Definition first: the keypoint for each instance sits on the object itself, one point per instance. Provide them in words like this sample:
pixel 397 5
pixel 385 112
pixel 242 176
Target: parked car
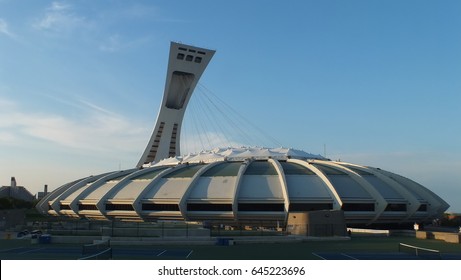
pixel 23 233
pixel 36 233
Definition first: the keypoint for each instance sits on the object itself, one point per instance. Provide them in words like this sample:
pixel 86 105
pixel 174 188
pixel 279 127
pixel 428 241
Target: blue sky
pixel 375 82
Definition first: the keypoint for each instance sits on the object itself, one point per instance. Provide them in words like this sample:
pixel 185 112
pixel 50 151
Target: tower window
pixel 189 58
pixel 180 56
pixel 198 59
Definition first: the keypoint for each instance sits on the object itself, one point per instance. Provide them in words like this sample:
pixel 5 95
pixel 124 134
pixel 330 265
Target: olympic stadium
pixel 235 185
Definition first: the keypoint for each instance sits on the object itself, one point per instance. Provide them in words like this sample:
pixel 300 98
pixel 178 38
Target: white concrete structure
pixel 185 67
pixel 236 185
pixel 241 185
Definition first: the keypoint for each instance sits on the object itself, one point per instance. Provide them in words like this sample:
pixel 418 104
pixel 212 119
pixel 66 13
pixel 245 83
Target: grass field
pixel 24 250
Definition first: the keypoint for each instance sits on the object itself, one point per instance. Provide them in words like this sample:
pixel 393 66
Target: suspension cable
pixel 219 124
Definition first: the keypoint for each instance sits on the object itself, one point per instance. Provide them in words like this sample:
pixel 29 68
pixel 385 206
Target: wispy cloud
pixel 115 43
pixel 96 107
pixel 112 44
pixel 7 138
pixel 97 130
pixel 59 6
pixel 60 16
pixel 4 29
pixel 6 104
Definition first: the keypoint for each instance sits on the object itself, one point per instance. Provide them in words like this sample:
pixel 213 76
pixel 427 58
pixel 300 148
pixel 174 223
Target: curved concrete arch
pixel 136 203
pixel 96 184
pixel 47 202
pixel 337 201
pixel 86 191
pixel 100 204
pixel 380 203
pixel 412 202
pixel 283 184
pixel 75 187
pixel 436 205
pixel 238 183
pixel 183 201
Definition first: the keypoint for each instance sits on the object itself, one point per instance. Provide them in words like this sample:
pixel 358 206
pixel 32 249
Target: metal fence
pixel 162 229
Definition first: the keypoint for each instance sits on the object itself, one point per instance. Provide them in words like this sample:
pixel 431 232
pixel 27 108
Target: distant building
pixel 16 192
pixel 41 195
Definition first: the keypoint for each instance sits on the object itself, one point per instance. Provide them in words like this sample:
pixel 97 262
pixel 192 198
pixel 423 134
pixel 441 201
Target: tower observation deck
pixel 186 65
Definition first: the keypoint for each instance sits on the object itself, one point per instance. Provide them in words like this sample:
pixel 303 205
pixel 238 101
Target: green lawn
pixel 304 250
pixel 23 249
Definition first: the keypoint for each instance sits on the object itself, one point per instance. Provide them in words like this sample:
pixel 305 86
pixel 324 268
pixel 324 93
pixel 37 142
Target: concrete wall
pixel 449 237
pixel 368 232
pixel 74 239
pixel 80 232
pixel 317 223
pixel 155 232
